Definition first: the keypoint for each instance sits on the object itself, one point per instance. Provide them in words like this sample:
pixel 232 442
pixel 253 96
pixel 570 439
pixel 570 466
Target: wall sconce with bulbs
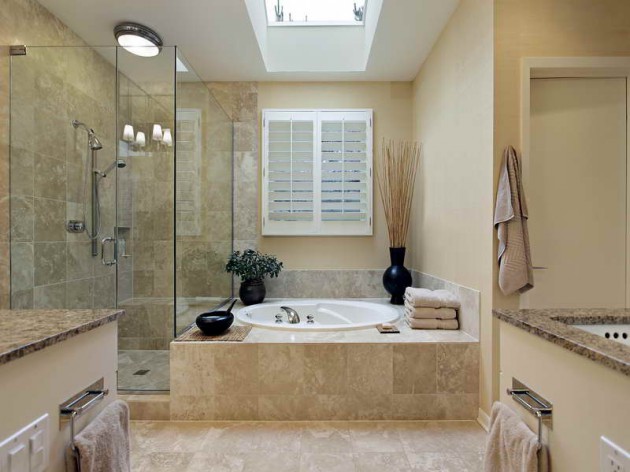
pixel 128 134
pixel 167 138
pixel 141 140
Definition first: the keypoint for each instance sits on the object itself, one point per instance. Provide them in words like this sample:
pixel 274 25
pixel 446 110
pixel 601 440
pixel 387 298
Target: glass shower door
pixel 145 218
pixel 63 125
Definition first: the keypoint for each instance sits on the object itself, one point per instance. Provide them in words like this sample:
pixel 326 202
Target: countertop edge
pixel 592 353
pixel 39 344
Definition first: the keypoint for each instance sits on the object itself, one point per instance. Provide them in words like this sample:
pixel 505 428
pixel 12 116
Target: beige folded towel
pixel 415 323
pixel 510 219
pixel 423 297
pixel 103 445
pixel 512 446
pixel 429 313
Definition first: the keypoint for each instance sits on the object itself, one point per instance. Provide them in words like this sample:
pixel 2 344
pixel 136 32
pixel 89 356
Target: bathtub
pixel 327 315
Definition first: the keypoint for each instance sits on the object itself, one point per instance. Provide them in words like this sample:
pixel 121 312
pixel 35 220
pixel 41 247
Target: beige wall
pixel 452 117
pixel 391 102
pixel 536 28
pixel 589 400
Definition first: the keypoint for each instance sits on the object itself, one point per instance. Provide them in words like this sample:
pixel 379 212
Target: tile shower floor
pixel 427 446
pixel 143 370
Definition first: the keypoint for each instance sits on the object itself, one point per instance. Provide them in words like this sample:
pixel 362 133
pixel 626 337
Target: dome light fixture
pixel 138 39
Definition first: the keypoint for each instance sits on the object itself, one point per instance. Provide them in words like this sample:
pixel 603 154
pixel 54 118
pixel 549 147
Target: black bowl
pixel 213 323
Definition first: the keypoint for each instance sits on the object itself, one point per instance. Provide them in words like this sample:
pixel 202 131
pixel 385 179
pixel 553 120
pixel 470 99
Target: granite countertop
pixel 27 331
pixel 554 325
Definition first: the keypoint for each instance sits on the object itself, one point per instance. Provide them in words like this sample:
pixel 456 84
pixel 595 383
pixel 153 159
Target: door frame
pixel 573 67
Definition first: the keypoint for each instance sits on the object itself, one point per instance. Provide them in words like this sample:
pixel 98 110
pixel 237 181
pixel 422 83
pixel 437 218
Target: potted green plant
pixel 252 267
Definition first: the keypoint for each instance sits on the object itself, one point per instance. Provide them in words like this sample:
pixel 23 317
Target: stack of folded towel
pixel 431 309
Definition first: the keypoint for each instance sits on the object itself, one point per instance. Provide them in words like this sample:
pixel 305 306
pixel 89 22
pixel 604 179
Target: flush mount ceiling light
pixel 138 39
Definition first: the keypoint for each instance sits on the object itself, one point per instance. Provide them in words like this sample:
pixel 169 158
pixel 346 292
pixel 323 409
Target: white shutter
pixel 288 172
pixel 317 172
pixel 346 172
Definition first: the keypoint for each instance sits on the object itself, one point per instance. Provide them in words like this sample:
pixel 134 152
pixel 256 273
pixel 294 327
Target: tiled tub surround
pixel 345 375
pixel 368 284
pixel 554 325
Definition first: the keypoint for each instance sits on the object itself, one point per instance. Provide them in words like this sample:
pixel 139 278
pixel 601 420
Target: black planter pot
pixel 252 291
pixel 397 278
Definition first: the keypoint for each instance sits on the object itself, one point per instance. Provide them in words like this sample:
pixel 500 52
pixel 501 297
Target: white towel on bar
pixel 103 445
pixel 510 219
pixel 512 446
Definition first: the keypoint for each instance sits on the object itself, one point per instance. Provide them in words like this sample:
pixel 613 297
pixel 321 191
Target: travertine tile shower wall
pixel 21 22
pixel 51 268
pixel 203 249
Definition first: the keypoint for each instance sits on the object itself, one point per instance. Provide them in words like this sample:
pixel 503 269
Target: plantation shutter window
pixel 317 172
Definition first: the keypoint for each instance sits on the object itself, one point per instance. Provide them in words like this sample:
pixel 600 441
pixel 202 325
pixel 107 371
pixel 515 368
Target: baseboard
pixel 483 419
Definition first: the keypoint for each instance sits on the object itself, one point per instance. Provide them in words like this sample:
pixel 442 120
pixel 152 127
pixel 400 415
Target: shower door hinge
pixel 17 50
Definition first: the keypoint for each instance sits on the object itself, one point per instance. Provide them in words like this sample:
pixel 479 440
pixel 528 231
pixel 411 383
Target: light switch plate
pixel 612 458
pixel 32 442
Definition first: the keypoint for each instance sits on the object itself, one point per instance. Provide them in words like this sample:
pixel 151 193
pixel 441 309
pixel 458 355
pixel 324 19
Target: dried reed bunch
pixel 396 177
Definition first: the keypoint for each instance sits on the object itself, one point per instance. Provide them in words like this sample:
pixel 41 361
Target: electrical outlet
pixel 612 458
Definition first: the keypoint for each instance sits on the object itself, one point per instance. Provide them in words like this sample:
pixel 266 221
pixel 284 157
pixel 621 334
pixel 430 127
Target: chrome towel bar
pixel 80 404
pixel 534 403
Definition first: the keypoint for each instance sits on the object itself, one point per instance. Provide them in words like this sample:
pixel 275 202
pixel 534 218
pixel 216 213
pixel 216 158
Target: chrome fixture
pixel 138 39
pixel 119 163
pixel 112 261
pixel 310 319
pixel 532 402
pixel 94 145
pixel 292 315
pixel 17 50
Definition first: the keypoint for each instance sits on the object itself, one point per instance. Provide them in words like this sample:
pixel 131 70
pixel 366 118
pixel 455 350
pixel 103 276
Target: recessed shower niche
pixel 142 220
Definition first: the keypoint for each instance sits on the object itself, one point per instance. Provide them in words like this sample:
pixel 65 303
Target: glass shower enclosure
pixel 121 195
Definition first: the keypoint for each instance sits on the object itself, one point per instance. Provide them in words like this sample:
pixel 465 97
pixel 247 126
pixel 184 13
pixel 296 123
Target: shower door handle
pixel 104 241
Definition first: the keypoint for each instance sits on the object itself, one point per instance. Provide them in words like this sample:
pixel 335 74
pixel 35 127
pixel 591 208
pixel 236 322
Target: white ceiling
pixel 217 36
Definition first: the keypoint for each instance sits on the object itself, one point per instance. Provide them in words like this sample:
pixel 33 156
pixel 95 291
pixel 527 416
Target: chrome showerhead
pixel 93 141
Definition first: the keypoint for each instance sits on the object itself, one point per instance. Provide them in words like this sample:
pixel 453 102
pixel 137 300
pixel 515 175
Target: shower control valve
pixel 75 226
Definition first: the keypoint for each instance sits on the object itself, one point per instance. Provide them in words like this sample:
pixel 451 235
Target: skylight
pixel 315 12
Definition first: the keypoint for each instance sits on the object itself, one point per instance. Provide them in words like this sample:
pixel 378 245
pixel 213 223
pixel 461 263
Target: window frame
pixel 317 227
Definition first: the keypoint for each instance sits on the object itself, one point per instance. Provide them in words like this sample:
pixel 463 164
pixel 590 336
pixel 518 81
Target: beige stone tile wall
pixel 52 86
pixel 201 257
pixel 21 22
pixel 240 102
pixel 221 381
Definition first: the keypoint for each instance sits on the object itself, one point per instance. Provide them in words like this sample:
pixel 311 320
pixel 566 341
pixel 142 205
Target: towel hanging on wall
pixel 510 220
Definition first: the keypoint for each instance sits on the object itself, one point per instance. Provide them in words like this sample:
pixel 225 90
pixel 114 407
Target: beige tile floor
pixel 426 446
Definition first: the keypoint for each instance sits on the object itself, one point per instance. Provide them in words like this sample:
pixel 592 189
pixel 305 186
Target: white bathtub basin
pixel 328 315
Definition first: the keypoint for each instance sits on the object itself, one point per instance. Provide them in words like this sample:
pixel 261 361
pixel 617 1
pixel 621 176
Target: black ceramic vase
pixel 252 291
pixel 397 278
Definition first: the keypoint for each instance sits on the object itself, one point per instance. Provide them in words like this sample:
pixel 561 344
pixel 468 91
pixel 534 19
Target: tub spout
pixel 292 315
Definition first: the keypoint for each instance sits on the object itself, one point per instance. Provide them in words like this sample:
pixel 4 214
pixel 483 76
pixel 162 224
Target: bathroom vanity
pixel 46 358
pixel 584 375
